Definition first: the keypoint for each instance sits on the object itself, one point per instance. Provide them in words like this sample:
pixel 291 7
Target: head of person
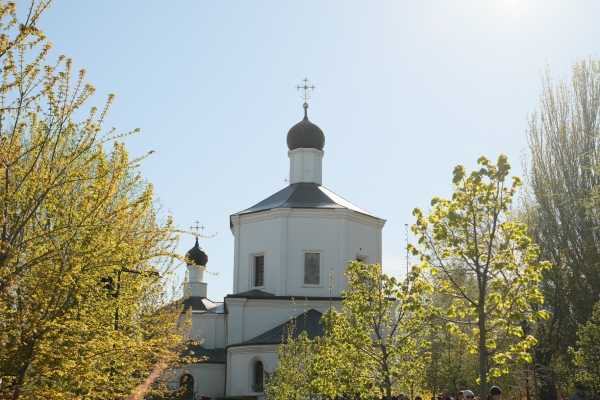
pixel 461 394
pixel 580 388
pixel 445 393
pixel 495 392
pixel 468 395
pixel 418 398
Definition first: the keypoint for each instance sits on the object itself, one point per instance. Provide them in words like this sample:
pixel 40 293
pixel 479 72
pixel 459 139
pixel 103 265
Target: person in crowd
pixel 418 398
pixel 446 395
pixel 579 392
pixel 468 395
pixel 460 395
pixel 495 393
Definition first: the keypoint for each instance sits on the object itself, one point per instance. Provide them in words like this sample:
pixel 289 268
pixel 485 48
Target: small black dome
pixel 197 256
pixel 305 135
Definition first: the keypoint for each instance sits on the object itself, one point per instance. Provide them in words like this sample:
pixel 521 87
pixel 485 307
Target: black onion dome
pixel 305 135
pixel 197 256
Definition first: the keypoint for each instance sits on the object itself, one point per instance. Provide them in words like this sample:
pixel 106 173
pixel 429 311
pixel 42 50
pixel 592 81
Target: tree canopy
pixel 85 253
pixel 470 237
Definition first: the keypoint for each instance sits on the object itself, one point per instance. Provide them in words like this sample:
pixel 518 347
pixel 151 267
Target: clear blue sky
pixel 405 91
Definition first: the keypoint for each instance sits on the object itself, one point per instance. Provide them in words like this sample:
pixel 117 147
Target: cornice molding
pixel 242 348
pixel 314 213
pixel 299 301
pixel 306 150
pixel 236 301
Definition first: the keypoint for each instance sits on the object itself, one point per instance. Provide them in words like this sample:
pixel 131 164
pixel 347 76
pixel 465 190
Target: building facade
pixel 295 244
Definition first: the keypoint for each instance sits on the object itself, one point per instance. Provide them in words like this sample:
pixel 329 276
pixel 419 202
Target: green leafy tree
pixel 471 233
pixel 587 356
pixel 84 255
pixel 561 208
pixel 451 365
pixel 292 377
pixel 374 343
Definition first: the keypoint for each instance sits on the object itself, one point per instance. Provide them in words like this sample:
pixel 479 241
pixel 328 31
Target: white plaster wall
pixel 262 315
pixel 239 366
pixel 209 327
pixel 209 379
pixel 284 235
pixel 221 331
pixel 250 318
pixel 306 165
pixel 256 238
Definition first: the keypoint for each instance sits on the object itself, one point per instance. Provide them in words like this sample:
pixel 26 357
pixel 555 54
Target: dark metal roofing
pixel 202 304
pixel 196 255
pixel 303 195
pixel 305 135
pixel 214 356
pixel 308 321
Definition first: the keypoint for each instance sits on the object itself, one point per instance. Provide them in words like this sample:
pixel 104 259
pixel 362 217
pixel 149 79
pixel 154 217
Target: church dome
pixel 305 135
pixel 197 256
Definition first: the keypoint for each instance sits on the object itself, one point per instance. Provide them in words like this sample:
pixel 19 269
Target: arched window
pixel 187 382
pixel 258 374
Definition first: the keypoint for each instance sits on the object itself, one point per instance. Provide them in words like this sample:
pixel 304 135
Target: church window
pixel 187 383
pixel 312 268
pixel 259 271
pixel 258 373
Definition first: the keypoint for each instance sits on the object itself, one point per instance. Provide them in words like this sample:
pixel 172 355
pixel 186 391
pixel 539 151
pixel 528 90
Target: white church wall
pixel 262 315
pixel 221 331
pixel 209 327
pixel 209 379
pixel 258 238
pixel 249 318
pixel 363 240
pixel 204 327
pixel 283 236
pixel 240 360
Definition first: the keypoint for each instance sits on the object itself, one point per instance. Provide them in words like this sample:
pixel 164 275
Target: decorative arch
pixel 257 375
pixel 187 382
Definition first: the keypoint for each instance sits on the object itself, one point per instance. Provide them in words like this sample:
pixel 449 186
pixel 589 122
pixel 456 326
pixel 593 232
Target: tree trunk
pixel 482 356
pixel 544 373
pixel 20 381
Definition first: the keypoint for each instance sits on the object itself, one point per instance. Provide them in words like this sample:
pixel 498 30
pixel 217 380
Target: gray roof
pixel 213 356
pixel 308 321
pixel 303 195
pixel 202 304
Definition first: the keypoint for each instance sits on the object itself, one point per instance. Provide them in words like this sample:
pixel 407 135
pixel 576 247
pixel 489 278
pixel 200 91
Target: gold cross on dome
pixel 307 88
pixel 196 227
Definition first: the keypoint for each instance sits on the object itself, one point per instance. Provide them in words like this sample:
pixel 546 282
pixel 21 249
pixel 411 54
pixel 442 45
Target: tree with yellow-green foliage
pixel 84 252
pixel 470 237
pixel 587 356
pixel 371 346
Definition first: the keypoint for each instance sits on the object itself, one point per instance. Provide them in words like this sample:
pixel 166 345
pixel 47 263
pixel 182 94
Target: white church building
pixel 286 248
